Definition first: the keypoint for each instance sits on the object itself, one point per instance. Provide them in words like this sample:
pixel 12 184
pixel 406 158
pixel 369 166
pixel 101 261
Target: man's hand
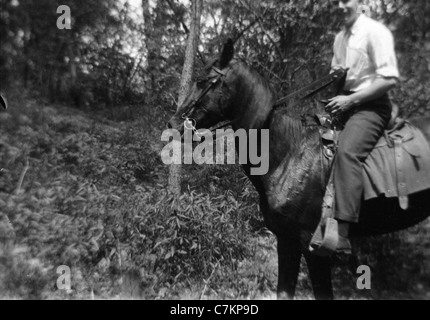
pixel 335 68
pixel 344 103
pixel 339 104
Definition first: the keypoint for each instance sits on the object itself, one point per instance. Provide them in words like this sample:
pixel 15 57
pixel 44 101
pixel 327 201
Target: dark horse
pixel 291 191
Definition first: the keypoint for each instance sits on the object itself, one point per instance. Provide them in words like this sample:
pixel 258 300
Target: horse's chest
pixel 292 185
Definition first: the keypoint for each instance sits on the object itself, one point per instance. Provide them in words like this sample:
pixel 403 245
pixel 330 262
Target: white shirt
pixel 367 49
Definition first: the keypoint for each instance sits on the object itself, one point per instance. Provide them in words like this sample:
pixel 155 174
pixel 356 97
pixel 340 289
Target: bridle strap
pixel 201 95
pixel 220 125
pixel 219 71
pixel 213 81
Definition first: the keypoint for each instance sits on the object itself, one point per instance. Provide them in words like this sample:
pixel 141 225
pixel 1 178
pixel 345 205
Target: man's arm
pixel 381 53
pixel 378 88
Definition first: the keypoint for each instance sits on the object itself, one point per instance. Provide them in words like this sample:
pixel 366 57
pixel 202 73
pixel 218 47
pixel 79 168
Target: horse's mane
pixel 253 75
pixel 289 127
pixel 295 139
pixel 278 119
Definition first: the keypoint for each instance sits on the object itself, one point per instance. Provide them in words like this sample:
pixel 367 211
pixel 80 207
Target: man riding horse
pixel 366 48
pixel 291 192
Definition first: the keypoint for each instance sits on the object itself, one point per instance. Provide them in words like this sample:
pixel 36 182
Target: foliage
pixel 83 206
pixel 86 187
pixel 110 58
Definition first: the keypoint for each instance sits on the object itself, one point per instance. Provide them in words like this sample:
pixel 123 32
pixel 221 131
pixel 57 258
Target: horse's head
pixel 205 104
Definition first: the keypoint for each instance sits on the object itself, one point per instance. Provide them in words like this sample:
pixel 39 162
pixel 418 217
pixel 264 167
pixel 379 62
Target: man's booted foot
pixel 333 238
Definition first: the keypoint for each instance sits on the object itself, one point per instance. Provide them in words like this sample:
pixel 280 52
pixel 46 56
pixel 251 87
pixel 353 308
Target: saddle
pixel 399 165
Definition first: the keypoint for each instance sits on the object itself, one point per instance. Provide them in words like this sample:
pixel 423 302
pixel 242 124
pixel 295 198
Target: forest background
pixel 82 183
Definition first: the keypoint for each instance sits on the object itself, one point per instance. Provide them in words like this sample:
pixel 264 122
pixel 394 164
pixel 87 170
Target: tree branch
pixel 21 178
pixel 178 16
pixel 240 34
pixel 260 22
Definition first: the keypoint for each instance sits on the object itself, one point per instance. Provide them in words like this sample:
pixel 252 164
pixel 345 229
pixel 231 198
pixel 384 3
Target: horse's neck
pixel 287 138
pixel 251 100
pixel 252 103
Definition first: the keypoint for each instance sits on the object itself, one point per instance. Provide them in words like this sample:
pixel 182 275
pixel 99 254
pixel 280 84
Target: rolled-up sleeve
pixel 381 49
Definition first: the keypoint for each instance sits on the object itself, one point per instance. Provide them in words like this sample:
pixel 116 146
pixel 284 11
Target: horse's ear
pixel 202 58
pixel 226 54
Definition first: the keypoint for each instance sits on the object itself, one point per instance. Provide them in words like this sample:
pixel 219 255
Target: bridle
pixel 190 123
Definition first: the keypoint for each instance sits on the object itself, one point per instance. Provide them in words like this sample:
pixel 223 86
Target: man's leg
pixel 362 131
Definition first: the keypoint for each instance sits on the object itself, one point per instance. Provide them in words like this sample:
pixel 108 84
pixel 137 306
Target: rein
pixel 3 102
pixel 313 88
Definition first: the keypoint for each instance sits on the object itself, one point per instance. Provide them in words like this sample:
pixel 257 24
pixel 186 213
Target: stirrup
pixel 324 242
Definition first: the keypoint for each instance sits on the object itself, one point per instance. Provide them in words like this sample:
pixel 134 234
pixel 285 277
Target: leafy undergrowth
pixel 90 194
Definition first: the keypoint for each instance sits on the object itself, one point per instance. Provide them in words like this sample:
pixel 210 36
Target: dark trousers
pixel 363 129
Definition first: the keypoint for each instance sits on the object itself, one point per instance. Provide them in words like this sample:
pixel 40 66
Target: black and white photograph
pixel 215 155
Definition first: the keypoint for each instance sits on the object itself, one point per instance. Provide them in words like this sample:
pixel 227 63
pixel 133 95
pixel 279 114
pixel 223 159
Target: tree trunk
pixel 152 47
pixel 72 65
pixel 187 71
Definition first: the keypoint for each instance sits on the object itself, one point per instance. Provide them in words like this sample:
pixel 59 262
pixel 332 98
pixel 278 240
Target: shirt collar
pixel 361 20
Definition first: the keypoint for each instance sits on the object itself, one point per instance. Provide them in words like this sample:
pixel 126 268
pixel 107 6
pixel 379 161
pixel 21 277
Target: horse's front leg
pixel 320 273
pixel 289 255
